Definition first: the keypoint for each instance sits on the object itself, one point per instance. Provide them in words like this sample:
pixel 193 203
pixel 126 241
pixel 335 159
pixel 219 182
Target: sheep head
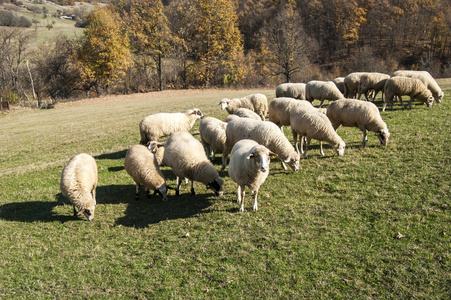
pixel 383 136
pixel 262 156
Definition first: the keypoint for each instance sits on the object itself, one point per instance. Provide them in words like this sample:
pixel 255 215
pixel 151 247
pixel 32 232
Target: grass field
pixel 328 231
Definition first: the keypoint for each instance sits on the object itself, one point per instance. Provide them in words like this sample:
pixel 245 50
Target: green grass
pixel 327 231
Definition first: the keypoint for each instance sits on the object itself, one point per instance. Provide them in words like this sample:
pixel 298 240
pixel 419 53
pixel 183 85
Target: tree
pixel 104 54
pixel 285 44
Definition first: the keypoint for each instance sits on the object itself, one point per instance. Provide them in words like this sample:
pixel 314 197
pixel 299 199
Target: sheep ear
pixel 287 160
pixel 272 154
pixel 250 156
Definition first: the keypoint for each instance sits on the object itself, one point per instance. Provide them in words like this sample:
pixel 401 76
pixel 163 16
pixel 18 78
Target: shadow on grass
pixel 114 155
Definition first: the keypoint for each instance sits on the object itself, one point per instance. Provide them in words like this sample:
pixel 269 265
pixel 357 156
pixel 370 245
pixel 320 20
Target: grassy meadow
pixel 328 231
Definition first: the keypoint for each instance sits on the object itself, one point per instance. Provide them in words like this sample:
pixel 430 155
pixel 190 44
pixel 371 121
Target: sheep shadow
pixel 34 211
pixel 113 155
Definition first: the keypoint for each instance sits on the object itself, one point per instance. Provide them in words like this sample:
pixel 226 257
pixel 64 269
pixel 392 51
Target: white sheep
pixel 231 117
pixel 340 83
pixel 372 81
pixel 361 114
pixel 280 108
pixel 291 90
pixel 185 155
pixel 142 165
pixel 255 102
pixel 427 80
pixel 351 84
pixel 160 125
pixel 246 113
pixel 310 123
pixel 405 86
pixel 79 182
pixel 249 166
pixel 212 135
pixel 263 132
pixel 322 90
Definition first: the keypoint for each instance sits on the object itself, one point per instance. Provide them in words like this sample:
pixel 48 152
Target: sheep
pixel 291 90
pixel 400 86
pixel 361 114
pixel 78 184
pixel 246 113
pixel 279 110
pixel 340 83
pixel 427 79
pixel 212 135
pixel 351 84
pixel 185 155
pixel 372 81
pixel 322 90
pixel 263 132
pixel 255 102
pixel 142 165
pixel 160 125
pixel 249 166
pixel 310 123
pixel 231 117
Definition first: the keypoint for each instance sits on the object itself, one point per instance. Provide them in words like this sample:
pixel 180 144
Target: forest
pixel 132 46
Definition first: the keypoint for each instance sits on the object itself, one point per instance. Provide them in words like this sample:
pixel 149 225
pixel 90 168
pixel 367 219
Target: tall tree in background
pixel 104 54
pixel 217 43
pixel 285 44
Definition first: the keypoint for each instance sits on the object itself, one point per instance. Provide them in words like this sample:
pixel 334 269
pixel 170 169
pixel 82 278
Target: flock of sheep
pixel 249 139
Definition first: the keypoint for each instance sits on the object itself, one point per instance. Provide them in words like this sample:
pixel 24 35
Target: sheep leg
pixel 255 208
pixel 410 102
pixel 177 190
pixel 224 159
pixel 242 198
pixel 295 139
pixel 137 192
pixel 306 147
pixel 365 137
pixel 238 200
pixel 75 212
pixel 321 104
pixel 192 188
pixel 321 148
pixel 302 140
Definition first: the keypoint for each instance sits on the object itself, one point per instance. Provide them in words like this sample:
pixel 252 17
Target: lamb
pixel 361 114
pixel 351 83
pixel 372 81
pixel 212 135
pixel 185 155
pixel 255 102
pixel 291 90
pixel 340 83
pixel 400 86
pixel 249 166
pixel 322 90
pixel 160 125
pixel 427 80
pixel 79 183
pixel 263 132
pixel 310 123
pixel 142 165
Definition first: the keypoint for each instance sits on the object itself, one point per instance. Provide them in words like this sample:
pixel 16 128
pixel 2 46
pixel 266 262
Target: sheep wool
pixel 291 90
pixel 186 157
pixel 212 135
pixel 311 124
pixel 427 80
pixel 322 90
pixel 340 83
pixel 372 81
pixel 160 125
pixel 351 84
pixel 249 167
pixel 258 103
pixel 78 184
pixel 246 113
pixel 279 110
pixel 263 132
pixel 361 114
pixel 142 165
pixel 405 86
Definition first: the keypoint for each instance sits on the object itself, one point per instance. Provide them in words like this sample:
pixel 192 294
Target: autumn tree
pixel 285 44
pixel 104 54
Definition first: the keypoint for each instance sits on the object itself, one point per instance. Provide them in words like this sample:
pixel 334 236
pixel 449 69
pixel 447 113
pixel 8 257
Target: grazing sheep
pixel 400 86
pixel 249 166
pixel 340 83
pixel 186 157
pixel 351 84
pixel 231 117
pixel 246 113
pixel 372 81
pixel 255 102
pixel 79 182
pixel 263 132
pixel 427 80
pixel 310 123
pixel 291 90
pixel 361 114
pixel 279 110
pixel 212 135
pixel 142 165
pixel 322 90
pixel 160 125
